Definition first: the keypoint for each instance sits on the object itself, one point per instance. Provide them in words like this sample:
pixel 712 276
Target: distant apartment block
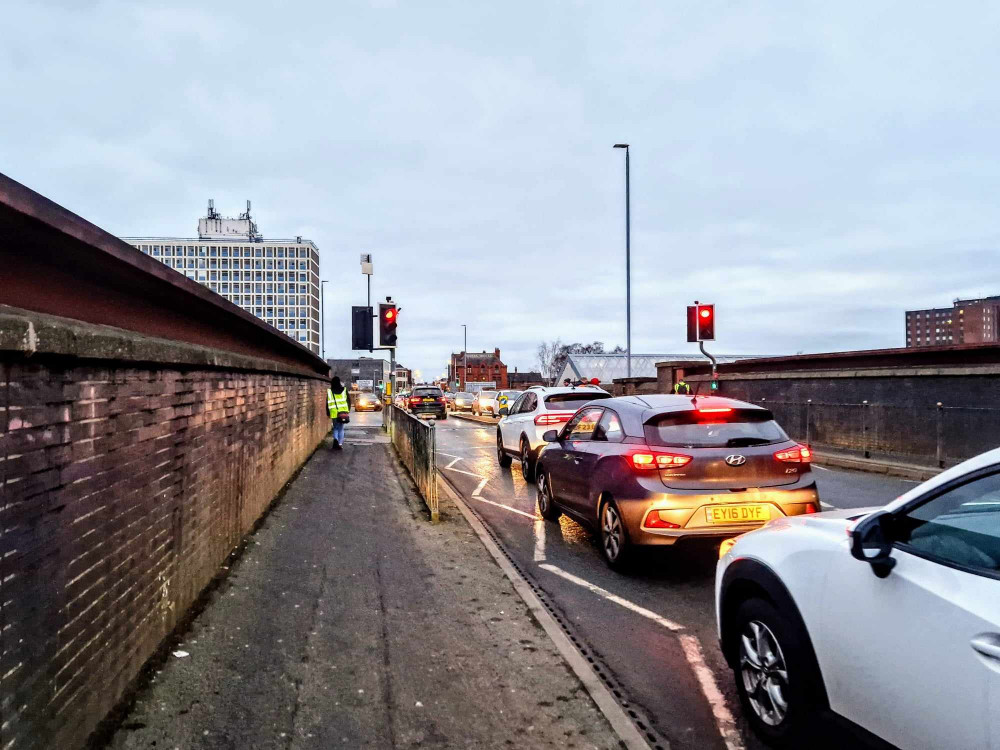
pixel 967 321
pixel 275 279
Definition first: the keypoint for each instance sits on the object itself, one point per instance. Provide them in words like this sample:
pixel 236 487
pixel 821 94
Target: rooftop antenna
pixel 211 209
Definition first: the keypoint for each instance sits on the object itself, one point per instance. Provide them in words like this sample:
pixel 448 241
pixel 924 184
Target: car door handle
pixel 987 644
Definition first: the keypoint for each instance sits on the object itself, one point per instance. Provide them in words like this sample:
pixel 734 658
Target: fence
pixel 415 443
pixel 935 435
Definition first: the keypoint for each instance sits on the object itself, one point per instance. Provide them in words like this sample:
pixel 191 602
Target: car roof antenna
pixel 697 388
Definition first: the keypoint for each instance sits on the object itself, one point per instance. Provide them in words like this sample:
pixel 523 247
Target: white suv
pixel 888 619
pixel 537 411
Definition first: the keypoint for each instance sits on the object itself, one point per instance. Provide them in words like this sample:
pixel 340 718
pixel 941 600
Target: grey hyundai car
pixel 653 470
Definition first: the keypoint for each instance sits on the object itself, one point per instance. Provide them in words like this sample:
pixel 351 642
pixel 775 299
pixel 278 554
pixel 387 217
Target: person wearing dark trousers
pixel 340 410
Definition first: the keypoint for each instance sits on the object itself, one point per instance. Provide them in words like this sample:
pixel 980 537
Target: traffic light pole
pixel 701 345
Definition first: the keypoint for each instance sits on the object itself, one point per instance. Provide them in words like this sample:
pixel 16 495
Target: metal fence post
pixel 432 494
pixel 940 434
pixel 864 428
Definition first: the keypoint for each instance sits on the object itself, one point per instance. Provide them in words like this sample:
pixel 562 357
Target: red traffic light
pixel 390 313
pixel 705 312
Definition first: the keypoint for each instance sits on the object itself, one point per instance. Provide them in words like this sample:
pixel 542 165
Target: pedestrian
pixel 682 387
pixel 567 383
pixel 340 410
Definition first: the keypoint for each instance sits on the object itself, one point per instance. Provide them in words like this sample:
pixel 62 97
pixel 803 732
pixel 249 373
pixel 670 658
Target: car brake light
pixel 719 410
pixel 800 454
pixel 810 508
pixel 650 461
pixel 655 521
pixel 552 418
pixel 415 400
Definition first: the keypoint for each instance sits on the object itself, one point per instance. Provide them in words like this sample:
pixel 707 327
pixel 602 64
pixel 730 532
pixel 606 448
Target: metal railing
pixel 933 435
pixel 415 443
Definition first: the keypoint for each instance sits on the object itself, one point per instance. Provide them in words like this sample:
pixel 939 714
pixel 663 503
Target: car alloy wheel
pixel 546 502
pixel 527 470
pixel 502 458
pixel 764 673
pixel 612 533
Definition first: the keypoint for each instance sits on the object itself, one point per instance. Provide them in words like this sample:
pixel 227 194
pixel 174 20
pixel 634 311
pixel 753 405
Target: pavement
pixel 652 631
pixel 351 621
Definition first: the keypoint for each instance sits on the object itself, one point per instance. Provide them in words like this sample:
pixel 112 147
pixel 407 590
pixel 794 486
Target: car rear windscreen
pixel 572 401
pixel 739 428
pixel 428 392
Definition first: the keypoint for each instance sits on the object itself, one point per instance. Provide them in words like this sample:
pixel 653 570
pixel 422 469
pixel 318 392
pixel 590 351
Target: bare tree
pixel 548 351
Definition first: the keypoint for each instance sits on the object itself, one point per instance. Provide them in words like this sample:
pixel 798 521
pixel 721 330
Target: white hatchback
pixel 537 411
pixel 888 620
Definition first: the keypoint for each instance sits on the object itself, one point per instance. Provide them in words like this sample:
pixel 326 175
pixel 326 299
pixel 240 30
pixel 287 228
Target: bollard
pixel 940 435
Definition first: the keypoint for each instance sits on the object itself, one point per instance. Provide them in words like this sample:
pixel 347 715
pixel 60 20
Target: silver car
pixel 481 401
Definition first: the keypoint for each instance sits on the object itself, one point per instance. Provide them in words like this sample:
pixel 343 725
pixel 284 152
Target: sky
pixel 814 169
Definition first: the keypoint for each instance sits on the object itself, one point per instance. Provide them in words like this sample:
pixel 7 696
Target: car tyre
pixel 615 546
pixel 775 679
pixel 527 465
pixel 547 508
pixel 502 458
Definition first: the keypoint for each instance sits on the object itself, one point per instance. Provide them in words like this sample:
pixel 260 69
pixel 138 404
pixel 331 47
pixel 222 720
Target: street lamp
pixel 628 270
pixel 465 354
pixel 322 318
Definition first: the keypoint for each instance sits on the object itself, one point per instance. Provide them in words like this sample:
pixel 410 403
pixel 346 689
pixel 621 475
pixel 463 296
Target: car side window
pixel 609 429
pixel 582 426
pixel 530 403
pixel 960 526
pixel 518 405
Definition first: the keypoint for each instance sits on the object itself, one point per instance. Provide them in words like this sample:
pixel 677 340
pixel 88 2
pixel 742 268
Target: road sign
pixel 366 385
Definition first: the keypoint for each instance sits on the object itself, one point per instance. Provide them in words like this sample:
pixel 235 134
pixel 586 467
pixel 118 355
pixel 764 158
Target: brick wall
pixel 124 488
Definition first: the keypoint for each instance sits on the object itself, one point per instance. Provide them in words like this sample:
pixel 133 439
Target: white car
pixel 537 411
pixel 889 619
pixel 503 400
pixel 482 400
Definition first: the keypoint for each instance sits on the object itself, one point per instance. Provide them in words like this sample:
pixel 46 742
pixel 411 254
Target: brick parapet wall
pixel 125 485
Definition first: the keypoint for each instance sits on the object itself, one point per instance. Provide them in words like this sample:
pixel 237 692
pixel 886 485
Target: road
pixel 651 632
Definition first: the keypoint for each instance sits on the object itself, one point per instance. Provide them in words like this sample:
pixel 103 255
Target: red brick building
pixel 968 321
pixel 485 367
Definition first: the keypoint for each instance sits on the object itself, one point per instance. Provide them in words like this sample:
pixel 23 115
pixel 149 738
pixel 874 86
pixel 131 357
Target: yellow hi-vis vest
pixel 681 384
pixel 336 403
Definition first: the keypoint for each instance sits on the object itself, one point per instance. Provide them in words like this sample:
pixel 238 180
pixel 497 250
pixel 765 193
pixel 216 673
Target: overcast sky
pixel 812 168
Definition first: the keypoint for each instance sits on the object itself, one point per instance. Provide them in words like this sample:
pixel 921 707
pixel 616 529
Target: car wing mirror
pixel 550 436
pixel 871 542
pixel 504 411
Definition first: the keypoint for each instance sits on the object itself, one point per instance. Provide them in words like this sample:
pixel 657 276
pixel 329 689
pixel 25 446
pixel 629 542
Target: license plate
pixel 428 401
pixel 737 513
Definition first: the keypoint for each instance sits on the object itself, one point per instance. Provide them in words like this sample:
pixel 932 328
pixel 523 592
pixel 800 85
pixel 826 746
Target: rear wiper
pixel 745 442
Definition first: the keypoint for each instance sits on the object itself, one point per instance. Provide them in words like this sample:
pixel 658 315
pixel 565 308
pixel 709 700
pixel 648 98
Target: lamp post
pixel 322 318
pixel 465 354
pixel 628 270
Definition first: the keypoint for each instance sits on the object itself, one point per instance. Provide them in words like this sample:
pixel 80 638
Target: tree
pixel 547 353
pixel 552 355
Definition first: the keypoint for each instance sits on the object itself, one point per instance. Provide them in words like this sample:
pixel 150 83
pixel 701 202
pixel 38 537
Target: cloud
pixel 814 170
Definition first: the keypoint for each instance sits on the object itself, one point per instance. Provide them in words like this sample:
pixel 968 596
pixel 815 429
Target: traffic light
pixel 388 317
pixel 701 322
pixel 361 328
pixel 706 322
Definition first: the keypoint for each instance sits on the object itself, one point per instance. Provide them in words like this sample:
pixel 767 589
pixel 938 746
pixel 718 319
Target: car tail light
pixel 651 461
pixel 415 400
pixel 655 521
pixel 810 507
pixel 717 410
pixel 800 454
pixel 552 418
pixel 441 400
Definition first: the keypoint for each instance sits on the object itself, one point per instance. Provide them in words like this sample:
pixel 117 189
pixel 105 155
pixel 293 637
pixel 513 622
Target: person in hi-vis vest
pixel 339 408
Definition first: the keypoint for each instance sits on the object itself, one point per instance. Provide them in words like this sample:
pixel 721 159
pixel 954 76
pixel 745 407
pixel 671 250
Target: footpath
pixel 352 622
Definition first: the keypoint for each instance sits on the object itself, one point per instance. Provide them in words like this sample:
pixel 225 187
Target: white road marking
pixel 540 540
pixel 475 492
pixel 449 455
pixel 647 613
pixel 692 652
pixel 821 468
pixel 827 505
pixel 710 689
pixel 453 462
pixel 505 507
pixel 467 473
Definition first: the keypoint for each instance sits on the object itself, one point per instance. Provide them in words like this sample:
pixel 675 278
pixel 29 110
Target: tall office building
pixel 275 279
pixel 967 321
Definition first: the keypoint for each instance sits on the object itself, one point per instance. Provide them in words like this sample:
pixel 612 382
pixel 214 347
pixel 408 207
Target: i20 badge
pixel 736 460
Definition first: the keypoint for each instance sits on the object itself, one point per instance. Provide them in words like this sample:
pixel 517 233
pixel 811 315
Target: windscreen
pixel 428 392
pixel 739 428
pixel 572 401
